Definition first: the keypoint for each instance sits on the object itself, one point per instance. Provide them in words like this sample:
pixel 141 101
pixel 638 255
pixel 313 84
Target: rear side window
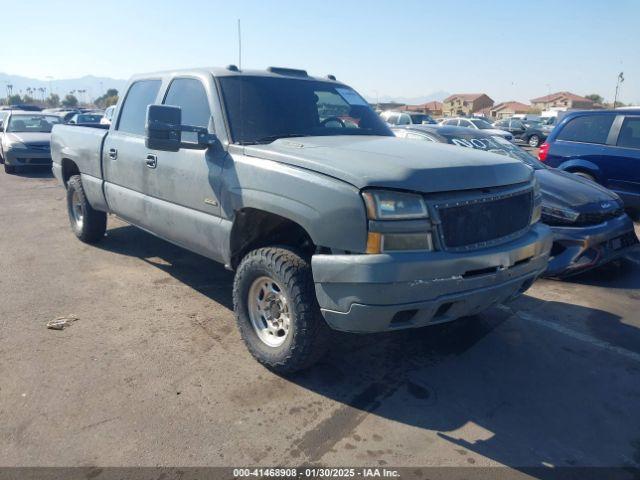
pixel 629 136
pixel 587 129
pixel 134 109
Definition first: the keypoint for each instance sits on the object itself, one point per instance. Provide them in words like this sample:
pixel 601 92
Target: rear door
pixel 623 162
pixel 580 145
pixel 124 154
pixel 183 186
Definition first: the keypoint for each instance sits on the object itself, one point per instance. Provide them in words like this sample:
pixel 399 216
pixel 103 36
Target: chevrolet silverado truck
pixel 327 219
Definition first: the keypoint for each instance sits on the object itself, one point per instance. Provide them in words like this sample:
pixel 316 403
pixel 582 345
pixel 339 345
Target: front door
pixel 183 186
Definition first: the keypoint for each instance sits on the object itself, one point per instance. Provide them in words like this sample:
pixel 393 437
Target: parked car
pixel 530 132
pixel 588 221
pixel 26 139
pixel 86 118
pixel 326 225
pixel 108 115
pixel 477 124
pixel 406 118
pixel 23 107
pixel 601 145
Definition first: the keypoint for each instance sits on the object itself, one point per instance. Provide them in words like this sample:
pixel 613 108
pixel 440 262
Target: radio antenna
pixel 239 46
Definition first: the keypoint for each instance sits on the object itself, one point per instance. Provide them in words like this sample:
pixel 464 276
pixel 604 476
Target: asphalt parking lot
pixel 154 371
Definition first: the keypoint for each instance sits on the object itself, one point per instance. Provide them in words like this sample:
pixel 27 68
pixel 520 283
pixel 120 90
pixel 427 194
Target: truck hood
pixel 28 138
pixel 372 161
pixel 563 189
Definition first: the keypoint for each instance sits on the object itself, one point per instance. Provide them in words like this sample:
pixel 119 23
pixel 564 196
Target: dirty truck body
pixel 295 183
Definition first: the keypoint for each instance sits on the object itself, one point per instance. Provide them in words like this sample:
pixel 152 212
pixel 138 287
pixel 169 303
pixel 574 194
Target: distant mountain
pixel 438 96
pixel 93 86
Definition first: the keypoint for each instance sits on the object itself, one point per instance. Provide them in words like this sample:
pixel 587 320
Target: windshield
pixel 493 144
pixel 263 109
pixel 481 124
pixel 32 123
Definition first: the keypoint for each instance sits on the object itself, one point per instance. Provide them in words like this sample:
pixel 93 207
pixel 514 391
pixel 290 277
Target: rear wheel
pixel 534 141
pixel 88 224
pixel 276 310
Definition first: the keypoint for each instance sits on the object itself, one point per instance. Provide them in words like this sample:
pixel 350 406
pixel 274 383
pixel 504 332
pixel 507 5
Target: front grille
pixel 35 161
pixel 484 221
pixel 39 148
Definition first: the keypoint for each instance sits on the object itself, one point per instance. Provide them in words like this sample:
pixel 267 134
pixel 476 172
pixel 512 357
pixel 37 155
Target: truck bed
pixel 82 145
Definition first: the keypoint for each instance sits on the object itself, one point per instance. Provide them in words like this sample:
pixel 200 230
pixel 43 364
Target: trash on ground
pixel 60 323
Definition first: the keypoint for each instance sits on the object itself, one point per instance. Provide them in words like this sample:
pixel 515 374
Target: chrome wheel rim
pixel 533 141
pixel 269 311
pixel 76 210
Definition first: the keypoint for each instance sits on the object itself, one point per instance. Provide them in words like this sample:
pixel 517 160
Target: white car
pixel 108 115
pixel 478 124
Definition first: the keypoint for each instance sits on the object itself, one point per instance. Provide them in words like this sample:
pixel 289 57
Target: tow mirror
pixel 163 130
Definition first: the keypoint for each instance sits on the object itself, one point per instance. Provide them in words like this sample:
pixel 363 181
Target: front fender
pixel 331 211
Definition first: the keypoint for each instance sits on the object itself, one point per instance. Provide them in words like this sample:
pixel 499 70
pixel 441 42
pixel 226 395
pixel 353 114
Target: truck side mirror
pixel 162 128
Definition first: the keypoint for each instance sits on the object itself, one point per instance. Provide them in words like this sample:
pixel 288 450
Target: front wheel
pixel 10 169
pixel 276 310
pixel 534 141
pixel 88 224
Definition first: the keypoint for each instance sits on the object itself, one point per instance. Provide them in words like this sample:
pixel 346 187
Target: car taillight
pixel 543 152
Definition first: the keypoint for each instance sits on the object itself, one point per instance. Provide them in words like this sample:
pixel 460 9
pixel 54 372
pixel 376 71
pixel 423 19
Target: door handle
pixel 113 153
pixel 152 161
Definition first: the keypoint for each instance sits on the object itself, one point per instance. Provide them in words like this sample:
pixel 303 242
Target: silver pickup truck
pixel 296 184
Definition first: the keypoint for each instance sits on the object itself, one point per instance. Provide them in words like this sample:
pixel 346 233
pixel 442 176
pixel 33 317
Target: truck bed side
pixel 76 149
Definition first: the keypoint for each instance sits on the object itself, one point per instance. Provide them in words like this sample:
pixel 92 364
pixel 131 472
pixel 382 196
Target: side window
pixel 190 94
pixel 587 129
pixel 453 123
pixel 134 109
pixel 465 123
pixel 630 133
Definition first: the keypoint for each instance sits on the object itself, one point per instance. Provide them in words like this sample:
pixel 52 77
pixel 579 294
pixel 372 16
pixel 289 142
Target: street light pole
pixel 620 80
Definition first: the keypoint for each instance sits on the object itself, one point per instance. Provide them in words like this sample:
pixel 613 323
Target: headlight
pixel 387 234
pixel 554 215
pixel 390 205
pixel 537 202
pixel 16 146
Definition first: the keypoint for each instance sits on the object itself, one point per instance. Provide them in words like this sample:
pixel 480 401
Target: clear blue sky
pixel 508 49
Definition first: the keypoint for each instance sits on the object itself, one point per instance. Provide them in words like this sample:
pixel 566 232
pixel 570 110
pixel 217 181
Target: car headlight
pixel 537 202
pixel 387 212
pixel 16 146
pixel 554 215
pixel 391 205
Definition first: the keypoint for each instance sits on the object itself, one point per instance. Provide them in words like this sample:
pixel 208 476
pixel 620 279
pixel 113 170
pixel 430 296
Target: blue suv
pixel 601 145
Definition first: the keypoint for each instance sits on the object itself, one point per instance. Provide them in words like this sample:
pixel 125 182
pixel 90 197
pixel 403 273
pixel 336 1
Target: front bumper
pixel 27 156
pixel 371 293
pixel 578 249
